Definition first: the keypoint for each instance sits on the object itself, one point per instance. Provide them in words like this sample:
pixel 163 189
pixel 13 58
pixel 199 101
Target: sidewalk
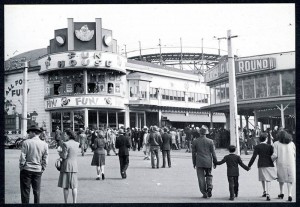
pixel 178 184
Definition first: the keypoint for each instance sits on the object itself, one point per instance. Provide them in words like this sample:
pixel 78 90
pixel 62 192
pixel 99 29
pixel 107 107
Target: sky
pixel 261 28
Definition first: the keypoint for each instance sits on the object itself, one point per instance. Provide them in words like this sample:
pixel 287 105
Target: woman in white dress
pixel 285 157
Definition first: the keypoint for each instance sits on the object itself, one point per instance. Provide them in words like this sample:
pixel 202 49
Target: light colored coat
pixel 285 157
pixel 203 152
pixel 69 154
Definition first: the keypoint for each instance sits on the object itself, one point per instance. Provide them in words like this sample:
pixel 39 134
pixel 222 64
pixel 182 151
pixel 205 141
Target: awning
pixel 175 117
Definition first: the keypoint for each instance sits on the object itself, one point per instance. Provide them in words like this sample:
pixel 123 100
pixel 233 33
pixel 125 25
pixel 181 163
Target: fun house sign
pixel 84 101
pixel 241 66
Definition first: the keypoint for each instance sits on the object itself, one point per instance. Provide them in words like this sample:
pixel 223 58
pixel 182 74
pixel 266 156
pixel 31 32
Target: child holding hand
pixel 232 160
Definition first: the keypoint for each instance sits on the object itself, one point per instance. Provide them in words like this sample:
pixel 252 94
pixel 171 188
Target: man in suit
pixel 166 147
pixel 203 153
pixel 122 143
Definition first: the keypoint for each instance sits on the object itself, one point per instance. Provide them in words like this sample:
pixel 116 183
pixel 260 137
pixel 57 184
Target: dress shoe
pixel 204 196
pixel 157 167
pixel 98 178
pixel 264 194
pixel 236 195
pixel 209 193
pixel 290 198
pixel 170 166
pixel 103 177
pixel 162 166
pixel 280 196
pixel 231 198
pixel 268 197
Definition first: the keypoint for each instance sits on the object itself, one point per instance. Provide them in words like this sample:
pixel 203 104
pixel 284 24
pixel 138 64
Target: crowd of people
pixel 151 141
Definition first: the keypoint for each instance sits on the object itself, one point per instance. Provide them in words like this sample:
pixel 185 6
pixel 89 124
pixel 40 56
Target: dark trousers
pixel 124 162
pixel 154 153
pixel 164 154
pixel 28 178
pixel 204 179
pixel 233 185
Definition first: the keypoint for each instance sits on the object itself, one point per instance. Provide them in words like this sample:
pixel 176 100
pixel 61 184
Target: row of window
pixel 260 86
pixel 167 94
pixel 67 83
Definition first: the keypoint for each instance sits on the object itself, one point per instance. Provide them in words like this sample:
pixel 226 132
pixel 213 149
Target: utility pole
pixel 125 51
pixel 24 105
pixel 140 50
pixel 234 139
pixel 160 58
pixel 181 54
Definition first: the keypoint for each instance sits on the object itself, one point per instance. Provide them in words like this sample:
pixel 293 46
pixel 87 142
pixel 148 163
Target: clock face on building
pixel 60 40
pixel 107 40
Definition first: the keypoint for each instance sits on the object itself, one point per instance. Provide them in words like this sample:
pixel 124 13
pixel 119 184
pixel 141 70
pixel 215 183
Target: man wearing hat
pixel 155 142
pixel 203 153
pixel 33 162
pixel 122 143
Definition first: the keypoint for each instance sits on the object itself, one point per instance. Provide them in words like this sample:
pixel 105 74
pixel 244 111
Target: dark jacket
pixel 233 161
pixel 155 139
pixel 264 152
pixel 99 145
pixel 122 143
pixel 203 152
pixel 166 141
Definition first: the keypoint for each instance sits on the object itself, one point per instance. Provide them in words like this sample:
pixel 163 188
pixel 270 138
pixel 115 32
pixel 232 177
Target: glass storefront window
pixel 273 84
pixel 239 89
pixel 212 95
pixel 261 86
pixel 67 122
pixel 121 119
pixel 249 88
pixel 56 120
pixel 218 94
pixel 112 120
pixel 222 92
pixel 226 92
pixel 78 120
pixel 288 82
pixel 102 119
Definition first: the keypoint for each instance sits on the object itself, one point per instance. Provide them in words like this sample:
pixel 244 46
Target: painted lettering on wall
pixel 15 88
pixel 86 101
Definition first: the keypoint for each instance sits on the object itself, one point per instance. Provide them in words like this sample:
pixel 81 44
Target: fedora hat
pixel 34 128
pixel 121 131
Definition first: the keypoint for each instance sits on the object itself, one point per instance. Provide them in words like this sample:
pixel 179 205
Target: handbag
pixel 58 164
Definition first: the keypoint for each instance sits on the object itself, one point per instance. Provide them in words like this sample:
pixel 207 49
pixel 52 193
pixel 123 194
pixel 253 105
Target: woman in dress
pixel 69 168
pixel 266 169
pixel 285 157
pixel 99 154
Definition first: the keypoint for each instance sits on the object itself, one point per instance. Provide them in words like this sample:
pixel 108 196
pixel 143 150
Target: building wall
pixel 14 93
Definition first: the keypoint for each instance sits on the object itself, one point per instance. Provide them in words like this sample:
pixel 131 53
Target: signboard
pixel 241 67
pixel 84 101
pixel 69 87
pixel 86 59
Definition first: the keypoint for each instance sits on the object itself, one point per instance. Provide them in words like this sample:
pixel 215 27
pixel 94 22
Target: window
pixel 182 96
pixel 222 92
pixel 218 94
pixel 273 84
pixel 58 89
pixel 249 88
pixel 78 88
pixel 288 83
pixel 92 88
pixel 171 92
pixel 226 92
pixel 167 94
pixel 212 95
pixel 261 86
pixel 239 89
pixel 110 88
pixel 191 97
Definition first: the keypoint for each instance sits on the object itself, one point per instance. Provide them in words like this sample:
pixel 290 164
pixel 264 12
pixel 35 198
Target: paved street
pixel 143 185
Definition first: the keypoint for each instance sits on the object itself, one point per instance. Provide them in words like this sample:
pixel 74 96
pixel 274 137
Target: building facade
pixel 265 87
pixel 80 81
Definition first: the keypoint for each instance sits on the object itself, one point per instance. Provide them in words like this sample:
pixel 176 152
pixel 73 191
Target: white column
pixel 86 118
pixel 98 34
pixel 282 116
pixel 70 34
pixel 145 119
pixel 232 96
pixel 127 118
pixel 211 119
pixel 159 117
pixel 24 106
pixel 107 121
